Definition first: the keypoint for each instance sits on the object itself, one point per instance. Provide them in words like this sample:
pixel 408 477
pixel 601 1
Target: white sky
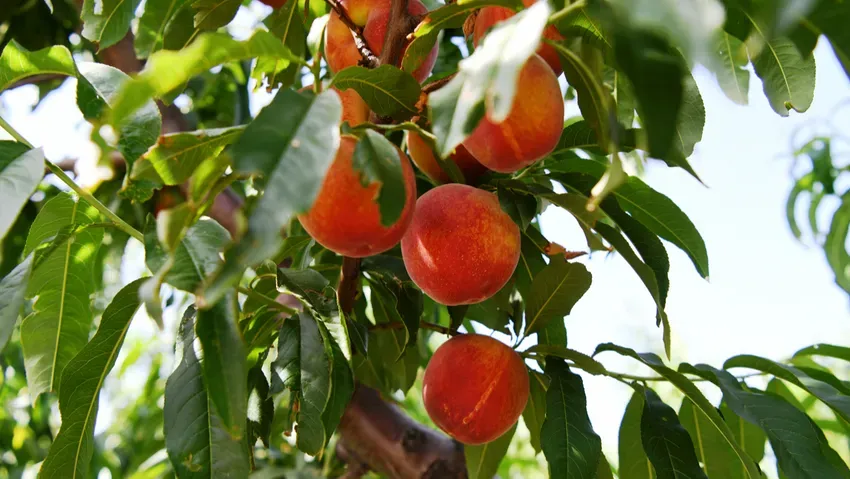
pixel 768 294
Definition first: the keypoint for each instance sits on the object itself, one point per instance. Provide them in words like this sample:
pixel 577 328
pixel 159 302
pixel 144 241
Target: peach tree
pixel 384 200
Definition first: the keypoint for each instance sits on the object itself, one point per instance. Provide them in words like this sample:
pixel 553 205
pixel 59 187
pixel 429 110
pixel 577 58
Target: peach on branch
pixel 490 16
pixel 533 125
pixel 423 156
pixel 460 248
pixel 345 217
pixel 374 17
pixel 475 388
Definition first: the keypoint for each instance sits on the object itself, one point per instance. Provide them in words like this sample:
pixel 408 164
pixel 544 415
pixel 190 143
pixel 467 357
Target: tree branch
pixel 391 443
pixel 369 60
pixel 401 24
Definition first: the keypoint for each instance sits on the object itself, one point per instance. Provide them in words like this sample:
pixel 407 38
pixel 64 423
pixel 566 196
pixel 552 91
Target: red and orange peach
pixel 374 17
pixel 345 217
pixel 423 157
pixel 489 16
pixel 475 388
pixel 532 128
pixel 460 248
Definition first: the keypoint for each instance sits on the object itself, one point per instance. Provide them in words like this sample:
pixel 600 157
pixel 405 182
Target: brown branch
pixel 401 24
pixel 437 84
pixel 393 444
pixel 349 287
pixel 369 60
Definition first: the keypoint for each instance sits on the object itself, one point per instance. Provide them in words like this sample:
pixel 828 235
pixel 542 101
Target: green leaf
pixel 82 380
pixel 315 388
pixel 634 463
pixel 584 24
pixel 424 37
pixel 158 18
pixel 59 325
pixel 342 384
pixel 106 22
pixel 310 287
pixel 535 409
pixel 580 360
pixel 97 88
pixel 174 157
pixel 520 207
pixel 826 350
pixel 20 176
pixel 213 14
pixel 830 18
pixel 690 122
pixel 554 292
pixel 655 69
pixel 488 77
pixel 593 100
pixel 196 256
pixel 832 397
pixel 390 305
pixel 12 297
pixel 482 461
pixel 378 161
pixel 603 470
pixel 224 363
pixel 834 244
pixel 788 78
pixel 715 454
pixel 666 442
pixel 387 90
pixel 733 76
pixel 167 70
pixel 286 368
pixel 292 143
pixel 751 438
pixel 799 445
pixel 286 24
pixel 18 63
pixel 197 441
pixel 694 394
pixel 569 443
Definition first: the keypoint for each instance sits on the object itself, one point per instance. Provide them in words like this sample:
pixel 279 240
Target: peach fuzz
pixel 461 248
pixel 345 217
pixel 475 388
pixel 532 128
pixel 354 110
pixel 490 16
pixel 373 16
pixel 424 158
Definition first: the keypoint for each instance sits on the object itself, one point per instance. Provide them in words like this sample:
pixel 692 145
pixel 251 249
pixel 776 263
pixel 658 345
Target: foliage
pixel 273 339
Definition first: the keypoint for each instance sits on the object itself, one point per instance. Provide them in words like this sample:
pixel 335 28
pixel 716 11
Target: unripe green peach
pixel 460 248
pixel 345 217
pixel 475 388
pixel 532 128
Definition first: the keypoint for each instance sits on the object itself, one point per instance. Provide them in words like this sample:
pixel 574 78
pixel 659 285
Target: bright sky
pixel 768 294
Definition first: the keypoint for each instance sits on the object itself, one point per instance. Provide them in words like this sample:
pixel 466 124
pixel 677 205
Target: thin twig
pixel 437 84
pixel 566 11
pixel 349 285
pixel 121 224
pixel 369 60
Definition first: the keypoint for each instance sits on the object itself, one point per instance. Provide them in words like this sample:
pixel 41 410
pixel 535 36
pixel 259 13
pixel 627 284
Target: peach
pixel 423 157
pixel 354 110
pixel 490 16
pixel 532 128
pixel 374 17
pixel 345 217
pixel 461 248
pixel 475 388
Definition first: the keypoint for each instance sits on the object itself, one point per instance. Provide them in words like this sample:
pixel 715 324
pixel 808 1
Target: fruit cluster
pixel 457 243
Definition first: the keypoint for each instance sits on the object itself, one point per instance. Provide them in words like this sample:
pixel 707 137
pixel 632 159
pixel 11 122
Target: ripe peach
pixel 345 217
pixel 354 110
pixel 461 248
pixel 490 16
pixel 532 128
pixel 423 156
pixel 374 17
pixel 475 388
